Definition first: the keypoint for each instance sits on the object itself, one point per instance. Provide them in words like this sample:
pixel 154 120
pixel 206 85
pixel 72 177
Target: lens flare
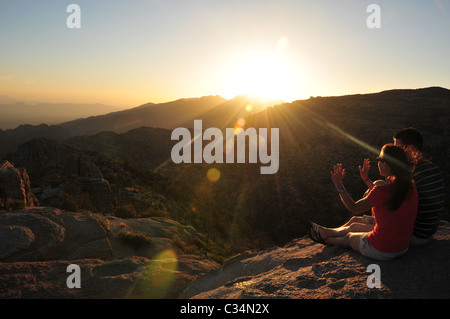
pixel 213 175
pixel 249 108
pixel 241 122
pixel 158 277
pixel 238 129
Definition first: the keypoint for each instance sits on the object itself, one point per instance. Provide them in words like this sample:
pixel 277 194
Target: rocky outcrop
pixel 38 244
pixel 304 269
pixel 63 172
pixel 16 186
pixel 49 234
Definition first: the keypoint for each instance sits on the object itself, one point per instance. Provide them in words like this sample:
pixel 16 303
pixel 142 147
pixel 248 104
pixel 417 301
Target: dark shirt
pixel 430 188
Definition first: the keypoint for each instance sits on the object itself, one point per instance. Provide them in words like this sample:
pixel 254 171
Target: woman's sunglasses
pixel 380 159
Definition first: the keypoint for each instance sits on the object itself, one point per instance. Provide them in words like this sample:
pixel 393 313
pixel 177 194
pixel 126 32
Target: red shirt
pixel 393 230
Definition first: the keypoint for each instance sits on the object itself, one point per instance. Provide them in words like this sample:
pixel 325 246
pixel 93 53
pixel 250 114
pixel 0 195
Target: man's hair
pixel 410 136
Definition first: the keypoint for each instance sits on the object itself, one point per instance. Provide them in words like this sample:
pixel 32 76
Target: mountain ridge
pixel 163 115
pixel 17 113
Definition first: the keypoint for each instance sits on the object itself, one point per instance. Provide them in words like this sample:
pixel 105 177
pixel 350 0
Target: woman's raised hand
pixel 364 170
pixel 337 175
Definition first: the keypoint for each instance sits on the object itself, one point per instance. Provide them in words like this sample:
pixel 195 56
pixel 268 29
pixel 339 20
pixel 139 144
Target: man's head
pixel 409 137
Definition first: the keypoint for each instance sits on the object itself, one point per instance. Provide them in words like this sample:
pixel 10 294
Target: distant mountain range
pixel 86 119
pixel 215 111
pixel 14 113
pixel 163 115
pixel 426 107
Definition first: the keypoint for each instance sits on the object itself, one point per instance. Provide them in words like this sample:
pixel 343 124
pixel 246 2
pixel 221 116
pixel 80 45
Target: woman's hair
pixel 401 174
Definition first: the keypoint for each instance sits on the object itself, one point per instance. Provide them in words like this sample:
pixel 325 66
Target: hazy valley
pixel 14 112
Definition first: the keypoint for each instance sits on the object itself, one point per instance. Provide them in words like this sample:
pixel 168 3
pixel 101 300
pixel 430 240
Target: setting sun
pixel 264 75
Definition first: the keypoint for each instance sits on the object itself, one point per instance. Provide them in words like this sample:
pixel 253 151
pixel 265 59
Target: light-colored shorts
pixel 368 251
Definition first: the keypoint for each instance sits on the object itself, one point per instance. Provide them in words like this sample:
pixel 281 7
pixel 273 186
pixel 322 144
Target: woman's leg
pixel 342 231
pixel 350 240
pixel 354 219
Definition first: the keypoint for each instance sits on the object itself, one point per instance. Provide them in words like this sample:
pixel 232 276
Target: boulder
pixel 38 244
pixel 57 235
pixel 14 239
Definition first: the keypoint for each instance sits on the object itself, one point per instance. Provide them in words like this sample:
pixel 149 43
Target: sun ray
pixel 320 120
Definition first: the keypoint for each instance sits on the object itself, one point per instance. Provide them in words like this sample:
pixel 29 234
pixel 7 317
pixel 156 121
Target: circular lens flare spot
pixel 158 276
pixel 213 175
pixel 238 130
pixel 241 122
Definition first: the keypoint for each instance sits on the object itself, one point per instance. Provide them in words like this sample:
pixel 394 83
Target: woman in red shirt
pixel 394 207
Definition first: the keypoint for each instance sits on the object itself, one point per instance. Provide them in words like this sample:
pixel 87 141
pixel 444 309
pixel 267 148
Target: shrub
pixel 68 203
pixel 14 204
pixel 136 240
pixel 126 211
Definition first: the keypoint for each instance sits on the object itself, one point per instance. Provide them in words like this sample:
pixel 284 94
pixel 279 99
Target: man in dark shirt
pixel 430 187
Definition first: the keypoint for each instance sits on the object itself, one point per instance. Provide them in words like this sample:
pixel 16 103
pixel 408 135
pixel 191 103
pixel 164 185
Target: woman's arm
pixel 364 173
pixel 355 208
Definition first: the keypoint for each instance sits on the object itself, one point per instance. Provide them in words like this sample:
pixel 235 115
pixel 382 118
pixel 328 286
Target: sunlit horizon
pixel 126 55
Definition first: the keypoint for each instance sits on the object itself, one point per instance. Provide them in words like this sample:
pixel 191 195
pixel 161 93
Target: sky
pixel 130 52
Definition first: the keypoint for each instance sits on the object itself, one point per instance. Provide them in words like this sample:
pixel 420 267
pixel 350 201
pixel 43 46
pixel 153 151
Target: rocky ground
pixel 38 244
pixel 304 269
